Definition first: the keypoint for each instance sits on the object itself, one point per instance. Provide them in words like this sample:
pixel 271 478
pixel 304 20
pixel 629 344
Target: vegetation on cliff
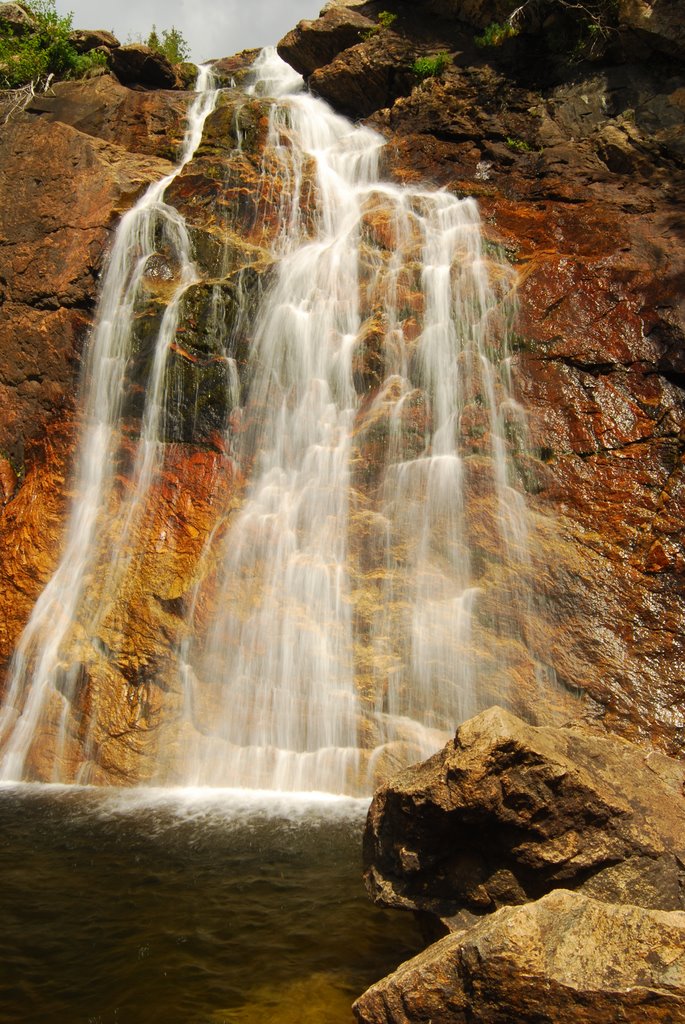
pixel 170 42
pixel 40 46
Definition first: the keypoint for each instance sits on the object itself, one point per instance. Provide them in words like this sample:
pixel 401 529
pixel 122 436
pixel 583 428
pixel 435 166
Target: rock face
pixel 577 167
pixel 53 242
pixel 508 812
pixel 565 959
pixel 314 43
pixel 62 194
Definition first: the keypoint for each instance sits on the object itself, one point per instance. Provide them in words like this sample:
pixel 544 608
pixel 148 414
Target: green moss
pixel 519 145
pixel 387 18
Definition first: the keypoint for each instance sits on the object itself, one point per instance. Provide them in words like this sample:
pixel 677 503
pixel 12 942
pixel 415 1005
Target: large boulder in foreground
pixel 565 959
pixel 509 811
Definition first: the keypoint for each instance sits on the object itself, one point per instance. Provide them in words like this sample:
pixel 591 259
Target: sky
pixel 212 28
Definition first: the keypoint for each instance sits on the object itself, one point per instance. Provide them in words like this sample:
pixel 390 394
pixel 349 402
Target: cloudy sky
pixel 212 28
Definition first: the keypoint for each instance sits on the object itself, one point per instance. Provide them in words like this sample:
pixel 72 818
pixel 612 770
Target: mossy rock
pixel 187 73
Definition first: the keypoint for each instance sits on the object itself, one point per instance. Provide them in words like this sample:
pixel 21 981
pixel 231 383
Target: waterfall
pixel 377 435
pixel 38 671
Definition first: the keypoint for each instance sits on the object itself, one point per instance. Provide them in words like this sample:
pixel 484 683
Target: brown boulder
pixel 509 811
pixel 83 39
pixel 315 43
pixel 15 18
pixel 367 76
pixel 139 65
pixel 565 959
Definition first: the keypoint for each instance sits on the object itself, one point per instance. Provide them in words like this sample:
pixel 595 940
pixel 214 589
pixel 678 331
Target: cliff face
pixel 577 167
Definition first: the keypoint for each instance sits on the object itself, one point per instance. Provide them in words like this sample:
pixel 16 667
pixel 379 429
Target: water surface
pixel 186 906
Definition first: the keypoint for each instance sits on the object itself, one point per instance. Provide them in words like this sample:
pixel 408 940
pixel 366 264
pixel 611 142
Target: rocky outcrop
pixel 513 814
pixel 658 22
pixel 509 811
pixel 16 19
pixel 137 64
pixel 565 959
pixel 149 122
pixel 84 40
pixel 315 43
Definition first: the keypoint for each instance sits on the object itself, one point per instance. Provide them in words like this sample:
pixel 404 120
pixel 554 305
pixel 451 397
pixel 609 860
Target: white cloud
pixel 212 28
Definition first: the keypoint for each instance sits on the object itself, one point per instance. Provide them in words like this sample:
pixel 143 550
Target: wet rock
pixel 509 811
pixel 232 71
pixel 565 958
pixel 137 64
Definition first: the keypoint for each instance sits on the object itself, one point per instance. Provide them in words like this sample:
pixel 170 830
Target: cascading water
pixel 282 656
pixel 375 436
pixel 39 672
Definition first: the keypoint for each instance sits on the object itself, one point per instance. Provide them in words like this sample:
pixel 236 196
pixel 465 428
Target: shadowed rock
pixel 509 811
pixel 139 65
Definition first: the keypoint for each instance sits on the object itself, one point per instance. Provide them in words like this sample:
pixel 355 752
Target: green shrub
pixel 582 30
pixel 520 145
pixel 34 56
pixel 427 67
pixel 171 44
pixel 496 33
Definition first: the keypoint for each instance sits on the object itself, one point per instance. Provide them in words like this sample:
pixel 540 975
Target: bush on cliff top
pixel 44 50
pixel 171 43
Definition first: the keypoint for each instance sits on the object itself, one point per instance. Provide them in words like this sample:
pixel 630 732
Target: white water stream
pixel 319 660
pixel 38 668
